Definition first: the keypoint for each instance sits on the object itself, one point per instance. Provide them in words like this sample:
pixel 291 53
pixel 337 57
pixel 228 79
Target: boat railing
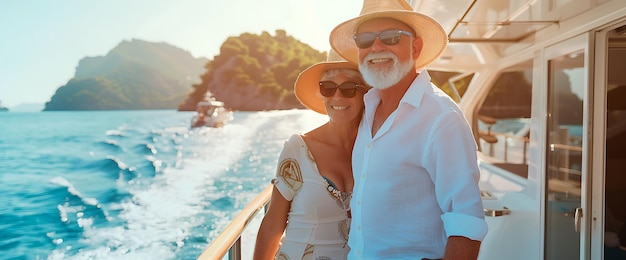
pixel 491 138
pixel 229 240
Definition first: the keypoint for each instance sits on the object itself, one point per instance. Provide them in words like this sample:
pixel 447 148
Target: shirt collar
pixel 413 95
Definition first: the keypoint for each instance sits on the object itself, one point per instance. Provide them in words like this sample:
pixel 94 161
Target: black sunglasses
pixel 388 37
pixel 347 89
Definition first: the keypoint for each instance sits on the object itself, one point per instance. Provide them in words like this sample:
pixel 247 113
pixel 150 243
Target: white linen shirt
pixel 416 180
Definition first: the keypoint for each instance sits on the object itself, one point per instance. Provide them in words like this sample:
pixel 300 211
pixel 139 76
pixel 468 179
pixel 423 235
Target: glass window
pixel 504 120
pixel 615 182
pixel 566 84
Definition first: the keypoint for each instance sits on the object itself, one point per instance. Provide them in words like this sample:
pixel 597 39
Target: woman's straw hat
pixel 433 35
pixel 307 83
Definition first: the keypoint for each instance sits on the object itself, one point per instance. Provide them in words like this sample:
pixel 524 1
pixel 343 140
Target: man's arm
pixel 463 248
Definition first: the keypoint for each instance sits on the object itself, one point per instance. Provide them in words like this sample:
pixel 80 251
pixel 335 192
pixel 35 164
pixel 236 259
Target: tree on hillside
pixel 255 72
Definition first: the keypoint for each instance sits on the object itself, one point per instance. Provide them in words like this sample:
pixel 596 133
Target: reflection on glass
pixel 564 155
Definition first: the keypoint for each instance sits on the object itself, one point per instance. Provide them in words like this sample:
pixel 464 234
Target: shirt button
pixel 369 146
pixel 358 203
pixel 363 176
pixel 358 227
pixel 358 252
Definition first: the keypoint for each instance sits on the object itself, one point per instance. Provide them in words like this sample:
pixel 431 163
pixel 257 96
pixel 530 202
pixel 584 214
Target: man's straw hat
pixel 307 83
pixel 433 35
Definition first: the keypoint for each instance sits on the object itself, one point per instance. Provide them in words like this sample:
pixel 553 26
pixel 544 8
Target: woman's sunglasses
pixel 348 89
pixel 388 37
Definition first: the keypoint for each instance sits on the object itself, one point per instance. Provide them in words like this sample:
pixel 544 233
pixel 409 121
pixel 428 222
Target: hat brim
pixel 306 87
pixel 433 35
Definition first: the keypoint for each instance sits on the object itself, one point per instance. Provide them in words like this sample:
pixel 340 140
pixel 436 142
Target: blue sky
pixel 43 41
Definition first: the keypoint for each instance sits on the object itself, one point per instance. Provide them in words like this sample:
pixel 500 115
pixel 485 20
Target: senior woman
pixel 310 202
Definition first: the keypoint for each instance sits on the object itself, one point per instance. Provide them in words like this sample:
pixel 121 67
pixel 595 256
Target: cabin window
pixel 504 120
pixel 453 84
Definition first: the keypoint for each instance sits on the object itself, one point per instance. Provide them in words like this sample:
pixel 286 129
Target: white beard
pixel 385 78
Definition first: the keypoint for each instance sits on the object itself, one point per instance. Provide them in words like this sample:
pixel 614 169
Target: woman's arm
pixel 272 227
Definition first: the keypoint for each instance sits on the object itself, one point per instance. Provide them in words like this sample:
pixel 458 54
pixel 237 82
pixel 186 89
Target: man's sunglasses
pixel 388 37
pixel 348 89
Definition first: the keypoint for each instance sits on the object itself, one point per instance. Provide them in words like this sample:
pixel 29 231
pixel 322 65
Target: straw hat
pixel 432 33
pixel 306 86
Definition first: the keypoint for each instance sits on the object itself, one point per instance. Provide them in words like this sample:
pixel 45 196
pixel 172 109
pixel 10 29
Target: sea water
pixel 131 184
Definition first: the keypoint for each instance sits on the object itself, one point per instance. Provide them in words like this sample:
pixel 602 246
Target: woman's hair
pixel 331 73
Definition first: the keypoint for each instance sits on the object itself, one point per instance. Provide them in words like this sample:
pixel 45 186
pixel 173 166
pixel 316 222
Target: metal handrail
pixel 229 240
pixel 523 139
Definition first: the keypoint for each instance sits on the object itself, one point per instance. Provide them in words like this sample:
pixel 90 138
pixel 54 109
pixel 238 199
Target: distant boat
pixel 211 113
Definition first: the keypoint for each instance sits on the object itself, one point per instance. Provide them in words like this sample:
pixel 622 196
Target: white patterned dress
pixel 318 222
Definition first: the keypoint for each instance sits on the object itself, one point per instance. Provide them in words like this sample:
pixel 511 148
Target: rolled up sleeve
pixel 464 225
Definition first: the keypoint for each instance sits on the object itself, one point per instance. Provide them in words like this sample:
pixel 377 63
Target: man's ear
pixel 417 47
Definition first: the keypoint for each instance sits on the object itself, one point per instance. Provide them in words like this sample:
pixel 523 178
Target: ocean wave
pixel 9 245
pixel 118 133
pixel 157 165
pixel 73 191
pixel 146 148
pixel 81 206
pixel 110 163
pixel 111 145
